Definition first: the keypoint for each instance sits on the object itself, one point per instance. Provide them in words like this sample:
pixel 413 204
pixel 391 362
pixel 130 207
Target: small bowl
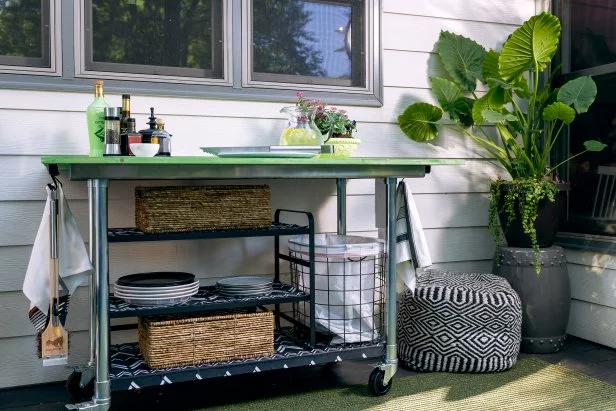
pixel 144 149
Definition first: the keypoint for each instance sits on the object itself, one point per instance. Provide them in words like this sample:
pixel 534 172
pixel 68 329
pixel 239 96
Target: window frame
pixel 71 75
pixel 137 72
pixel 252 79
pixel 575 233
pixel 50 12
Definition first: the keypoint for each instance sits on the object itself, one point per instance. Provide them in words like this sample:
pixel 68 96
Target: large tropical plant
pixel 517 99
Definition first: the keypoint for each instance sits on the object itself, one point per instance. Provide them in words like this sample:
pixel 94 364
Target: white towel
pixel 411 247
pixel 74 260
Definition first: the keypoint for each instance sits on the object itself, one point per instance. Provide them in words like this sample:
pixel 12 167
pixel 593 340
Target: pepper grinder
pixel 112 131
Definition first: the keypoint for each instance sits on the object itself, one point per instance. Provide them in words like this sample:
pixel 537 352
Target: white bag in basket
pixel 346 285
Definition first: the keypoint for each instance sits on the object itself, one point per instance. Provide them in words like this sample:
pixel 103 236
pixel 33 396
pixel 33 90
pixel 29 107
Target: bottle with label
pixel 162 137
pixel 95 114
pixel 131 135
pixel 124 123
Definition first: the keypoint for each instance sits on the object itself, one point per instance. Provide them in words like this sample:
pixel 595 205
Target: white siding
pixel 451 200
pixel 593 296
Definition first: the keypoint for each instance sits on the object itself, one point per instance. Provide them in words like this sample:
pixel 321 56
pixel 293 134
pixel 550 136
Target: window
pixel 307 42
pixel 25 33
pixel 589 48
pixel 238 49
pixel 153 38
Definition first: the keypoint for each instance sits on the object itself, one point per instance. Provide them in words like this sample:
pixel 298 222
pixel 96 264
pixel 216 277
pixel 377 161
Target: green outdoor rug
pixel 532 384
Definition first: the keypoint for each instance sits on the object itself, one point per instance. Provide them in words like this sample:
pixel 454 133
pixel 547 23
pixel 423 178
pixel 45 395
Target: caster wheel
pixel 376 384
pixel 73 386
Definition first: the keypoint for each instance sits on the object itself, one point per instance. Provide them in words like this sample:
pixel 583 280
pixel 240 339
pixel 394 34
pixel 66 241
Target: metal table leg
pixel 390 365
pixel 341 204
pixel 100 293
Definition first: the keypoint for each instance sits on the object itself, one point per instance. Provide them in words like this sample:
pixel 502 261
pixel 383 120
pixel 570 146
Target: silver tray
pixel 264 151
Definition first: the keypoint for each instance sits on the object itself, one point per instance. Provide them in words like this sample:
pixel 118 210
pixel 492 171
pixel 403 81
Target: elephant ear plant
pixel 520 103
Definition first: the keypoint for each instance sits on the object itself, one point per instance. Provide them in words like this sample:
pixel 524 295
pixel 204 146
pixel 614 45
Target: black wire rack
pixel 348 294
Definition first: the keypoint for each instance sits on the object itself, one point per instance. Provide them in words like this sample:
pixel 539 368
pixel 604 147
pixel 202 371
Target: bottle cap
pixel 99 82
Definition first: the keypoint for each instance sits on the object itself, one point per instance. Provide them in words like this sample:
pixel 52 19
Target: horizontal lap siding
pixel 452 200
pixel 593 292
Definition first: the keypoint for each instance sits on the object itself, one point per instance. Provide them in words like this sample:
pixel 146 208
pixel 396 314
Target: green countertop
pixel 141 168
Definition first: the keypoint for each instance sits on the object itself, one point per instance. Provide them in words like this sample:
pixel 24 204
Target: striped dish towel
pixel 411 246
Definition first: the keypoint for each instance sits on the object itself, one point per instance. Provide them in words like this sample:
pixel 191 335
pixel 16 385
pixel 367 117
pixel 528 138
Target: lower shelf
pixel 129 371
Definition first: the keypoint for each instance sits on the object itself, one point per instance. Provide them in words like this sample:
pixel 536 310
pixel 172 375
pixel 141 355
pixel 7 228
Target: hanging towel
pixel 74 261
pixel 411 247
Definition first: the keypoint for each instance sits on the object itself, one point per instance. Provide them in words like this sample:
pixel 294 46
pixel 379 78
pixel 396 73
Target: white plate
pixel 156 301
pixel 149 290
pixel 244 281
pixel 175 294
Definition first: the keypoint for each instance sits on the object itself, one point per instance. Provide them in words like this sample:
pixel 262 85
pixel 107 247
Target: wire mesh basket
pixel 349 287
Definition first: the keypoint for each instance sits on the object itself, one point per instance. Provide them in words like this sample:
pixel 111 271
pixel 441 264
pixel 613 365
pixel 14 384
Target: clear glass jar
pixel 300 129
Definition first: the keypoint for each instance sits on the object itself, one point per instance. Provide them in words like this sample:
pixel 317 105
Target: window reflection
pixel 24 33
pixel 307 38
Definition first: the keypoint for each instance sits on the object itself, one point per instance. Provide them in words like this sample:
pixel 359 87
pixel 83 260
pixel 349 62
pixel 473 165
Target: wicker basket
pixel 172 341
pixel 198 208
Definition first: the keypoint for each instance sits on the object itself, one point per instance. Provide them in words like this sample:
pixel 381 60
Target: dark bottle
pixel 124 124
pixel 131 135
pixel 146 133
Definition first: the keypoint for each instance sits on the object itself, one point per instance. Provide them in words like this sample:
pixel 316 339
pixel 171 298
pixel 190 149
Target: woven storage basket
pixel 172 341
pixel 197 208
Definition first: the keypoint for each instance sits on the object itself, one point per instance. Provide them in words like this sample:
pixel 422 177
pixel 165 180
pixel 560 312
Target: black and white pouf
pixel 459 322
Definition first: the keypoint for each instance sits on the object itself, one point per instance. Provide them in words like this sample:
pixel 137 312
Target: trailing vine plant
pixel 525 195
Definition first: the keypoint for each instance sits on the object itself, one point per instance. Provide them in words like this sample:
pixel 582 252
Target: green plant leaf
pixel 559 111
pixel 580 93
pixel 492 116
pixel 490 66
pixel 418 121
pixel 532 45
pixel 464 110
pixel 446 93
pixel 481 104
pixel 594 145
pixel 494 99
pixel 462 58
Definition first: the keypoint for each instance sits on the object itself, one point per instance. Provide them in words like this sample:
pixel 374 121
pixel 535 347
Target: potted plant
pixel 335 126
pixel 527 113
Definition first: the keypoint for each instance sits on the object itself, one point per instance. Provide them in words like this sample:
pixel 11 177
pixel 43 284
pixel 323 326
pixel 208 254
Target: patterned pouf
pixel 459 322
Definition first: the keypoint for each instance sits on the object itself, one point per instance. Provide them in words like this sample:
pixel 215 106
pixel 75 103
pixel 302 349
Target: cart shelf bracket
pixel 88 405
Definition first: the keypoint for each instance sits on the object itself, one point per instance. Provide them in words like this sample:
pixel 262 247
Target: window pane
pixel 593 33
pixel 308 42
pixel 172 37
pixel 592 200
pixel 24 33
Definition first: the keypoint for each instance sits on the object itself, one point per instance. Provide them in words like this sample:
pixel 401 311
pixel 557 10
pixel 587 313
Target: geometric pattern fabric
pixel 459 322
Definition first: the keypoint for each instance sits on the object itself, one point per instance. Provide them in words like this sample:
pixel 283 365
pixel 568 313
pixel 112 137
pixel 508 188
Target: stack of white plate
pixel 160 288
pixel 246 286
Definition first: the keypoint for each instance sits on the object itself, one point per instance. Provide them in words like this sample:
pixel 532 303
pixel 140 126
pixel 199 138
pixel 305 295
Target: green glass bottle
pixel 96 120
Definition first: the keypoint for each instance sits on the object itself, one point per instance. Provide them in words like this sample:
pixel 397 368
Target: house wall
pixel 593 296
pixel 452 200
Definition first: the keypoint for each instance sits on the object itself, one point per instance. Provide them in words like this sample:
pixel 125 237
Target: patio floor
pixel 591 359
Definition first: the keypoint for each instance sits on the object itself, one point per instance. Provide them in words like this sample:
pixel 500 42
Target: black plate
pixel 157 279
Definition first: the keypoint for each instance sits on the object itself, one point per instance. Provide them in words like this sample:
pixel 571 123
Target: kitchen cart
pixel 120 367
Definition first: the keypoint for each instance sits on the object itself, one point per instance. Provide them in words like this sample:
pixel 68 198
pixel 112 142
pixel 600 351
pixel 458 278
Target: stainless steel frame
pixel 99 174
